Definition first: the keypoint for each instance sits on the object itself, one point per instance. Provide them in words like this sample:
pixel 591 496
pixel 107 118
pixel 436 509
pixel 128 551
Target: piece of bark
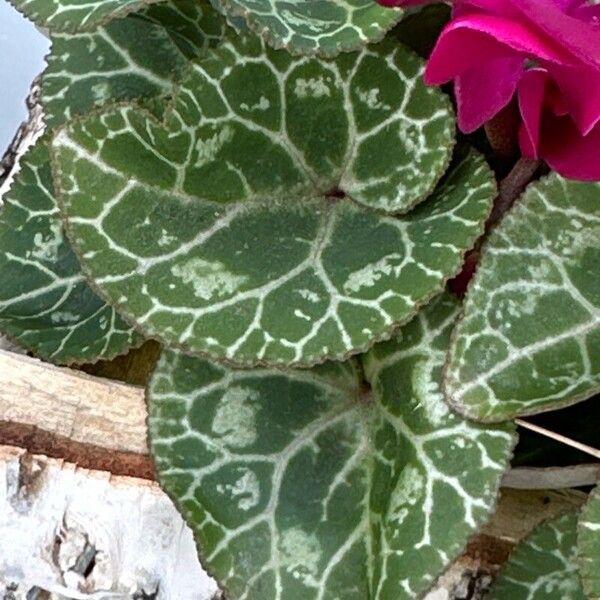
pixel 69 531
pixel 96 423
pixel 88 534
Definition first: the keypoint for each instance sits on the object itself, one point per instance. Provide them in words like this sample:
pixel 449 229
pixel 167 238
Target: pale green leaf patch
pixel 321 27
pixel 543 566
pixel 138 57
pixel 588 542
pixel 306 485
pixel 529 340
pixel 222 231
pixel 45 302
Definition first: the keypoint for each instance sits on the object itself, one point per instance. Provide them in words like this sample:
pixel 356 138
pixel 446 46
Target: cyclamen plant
pixel 282 212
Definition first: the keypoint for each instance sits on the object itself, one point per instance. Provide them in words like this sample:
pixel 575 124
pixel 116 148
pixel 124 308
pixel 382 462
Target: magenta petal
pixel 568 6
pixel 459 49
pixel 580 90
pixel 472 40
pixel 492 7
pixel 568 152
pixel 532 90
pixel 482 91
pixel 589 14
pixel 579 37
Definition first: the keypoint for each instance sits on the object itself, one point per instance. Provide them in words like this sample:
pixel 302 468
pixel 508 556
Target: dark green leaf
pixel 45 303
pixel 303 485
pixel 529 339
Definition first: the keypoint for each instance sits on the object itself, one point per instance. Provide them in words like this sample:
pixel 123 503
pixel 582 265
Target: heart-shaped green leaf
pixel 211 231
pixel 45 303
pixel 542 567
pixel 77 15
pixel 588 541
pixel 276 283
pixel 529 339
pixel 305 485
pixel 323 27
pixel 140 56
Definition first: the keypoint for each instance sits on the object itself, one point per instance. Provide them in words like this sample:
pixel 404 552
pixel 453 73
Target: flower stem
pixel 511 187
pixel 502 131
pixel 559 438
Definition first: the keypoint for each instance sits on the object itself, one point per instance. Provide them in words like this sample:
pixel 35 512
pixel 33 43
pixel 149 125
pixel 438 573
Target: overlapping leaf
pixel 254 123
pixel 280 284
pixel 588 541
pixel 542 567
pixel 45 302
pixel 302 485
pixel 137 57
pixel 213 231
pixel 75 15
pixel 323 27
pixel 530 336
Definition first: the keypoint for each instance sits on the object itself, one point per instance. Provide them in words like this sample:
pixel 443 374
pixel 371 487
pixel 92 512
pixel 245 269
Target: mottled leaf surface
pixel 305 485
pixel 542 567
pixel 588 541
pixel 76 15
pixel 529 339
pixel 309 27
pixel 45 302
pixel 285 283
pixel 214 231
pixel 137 57
pixel 250 122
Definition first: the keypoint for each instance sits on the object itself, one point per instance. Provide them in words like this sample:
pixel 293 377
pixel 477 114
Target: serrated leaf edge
pixel 266 34
pixel 46 138
pixel 480 521
pixel 134 7
pixel 454 403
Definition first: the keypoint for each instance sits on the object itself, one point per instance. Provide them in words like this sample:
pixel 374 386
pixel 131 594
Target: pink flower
pixel 545 51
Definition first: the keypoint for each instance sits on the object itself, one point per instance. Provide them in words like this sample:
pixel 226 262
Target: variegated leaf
pixel 588 541
pixel 137 57
pixel 529 339
pixel 276 283
pixel 238 251
pixel 308 27
pixel 77 15
pixel 306 485
pixel 238 23
pixel 542 567
pixel 45 303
